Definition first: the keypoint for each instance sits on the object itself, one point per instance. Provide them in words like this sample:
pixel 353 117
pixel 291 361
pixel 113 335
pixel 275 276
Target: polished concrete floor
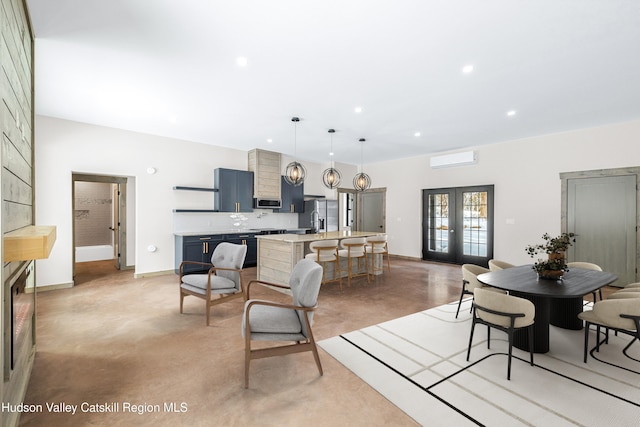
pixel 113 339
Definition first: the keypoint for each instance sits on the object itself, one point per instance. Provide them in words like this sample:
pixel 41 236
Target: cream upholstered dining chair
pixel 221 283
pixel 495 265
pixel 503 312
pixel 323 252
pixel 377 245
pixel 587 266
pixel 354 248
pixel 272 321
pixel 470 282
pixel 618 312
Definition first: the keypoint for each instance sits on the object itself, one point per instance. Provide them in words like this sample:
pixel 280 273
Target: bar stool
pixel 354 247
pixel 377 245
pixel 322 252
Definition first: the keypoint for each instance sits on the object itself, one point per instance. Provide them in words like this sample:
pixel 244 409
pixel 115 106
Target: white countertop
pixel 295 238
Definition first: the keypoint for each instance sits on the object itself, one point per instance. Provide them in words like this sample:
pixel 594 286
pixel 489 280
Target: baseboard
pixel 153 273
pixel 45 288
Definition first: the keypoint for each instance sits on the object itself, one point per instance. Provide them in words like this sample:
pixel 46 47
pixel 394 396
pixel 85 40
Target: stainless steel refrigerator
pixel 319 215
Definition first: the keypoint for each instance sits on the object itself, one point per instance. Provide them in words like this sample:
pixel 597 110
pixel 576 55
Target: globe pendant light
pixel 361 181
pixel 331 177
pixel 295 173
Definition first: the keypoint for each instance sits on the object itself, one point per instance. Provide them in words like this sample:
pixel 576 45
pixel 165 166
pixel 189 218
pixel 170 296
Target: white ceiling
pixel 168 67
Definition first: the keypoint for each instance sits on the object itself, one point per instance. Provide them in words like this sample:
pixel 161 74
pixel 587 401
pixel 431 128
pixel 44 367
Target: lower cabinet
pixel 200 249
pixel 195 248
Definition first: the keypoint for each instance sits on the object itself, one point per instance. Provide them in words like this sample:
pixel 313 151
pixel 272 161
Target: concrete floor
pixel 113 339
pixel 116 339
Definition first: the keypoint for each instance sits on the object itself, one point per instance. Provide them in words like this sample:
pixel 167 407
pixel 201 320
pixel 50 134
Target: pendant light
pixel 295 173
pixel 361 181
pixel 331 177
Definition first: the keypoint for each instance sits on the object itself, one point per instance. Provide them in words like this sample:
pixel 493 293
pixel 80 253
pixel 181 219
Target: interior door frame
pixel 600 173
pixel 357 202
pixel 122 208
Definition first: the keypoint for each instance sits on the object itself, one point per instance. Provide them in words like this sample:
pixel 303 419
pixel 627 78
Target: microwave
pixel 267 203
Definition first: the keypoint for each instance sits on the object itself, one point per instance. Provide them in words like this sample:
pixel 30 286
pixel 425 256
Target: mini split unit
pixel 455 159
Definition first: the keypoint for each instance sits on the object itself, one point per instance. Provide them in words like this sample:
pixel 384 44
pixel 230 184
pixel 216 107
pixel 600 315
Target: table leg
pixel 540 327
pixel 564 313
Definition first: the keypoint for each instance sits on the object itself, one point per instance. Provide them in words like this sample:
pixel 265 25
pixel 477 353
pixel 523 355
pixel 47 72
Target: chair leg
pixel 247 360
pixel 586 340
pixel 488 336
pixel 208 313
pixel 181 300
pixel 510 333
pixel 473 326
pixel 460 302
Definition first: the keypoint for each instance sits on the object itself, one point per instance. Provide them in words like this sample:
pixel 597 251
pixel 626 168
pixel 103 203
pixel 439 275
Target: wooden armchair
pixel 272 321
pixel 221 283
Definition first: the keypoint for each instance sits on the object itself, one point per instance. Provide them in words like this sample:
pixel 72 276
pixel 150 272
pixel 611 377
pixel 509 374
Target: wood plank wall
pixel 16 121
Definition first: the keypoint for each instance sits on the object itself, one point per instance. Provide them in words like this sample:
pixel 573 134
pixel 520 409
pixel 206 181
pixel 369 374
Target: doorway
pixel 457 224
pixel 362 211
pixel 99 220
pixel 601 207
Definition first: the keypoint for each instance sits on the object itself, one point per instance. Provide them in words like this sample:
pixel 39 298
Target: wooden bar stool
pixel 377 245
pixel 322 252
pixel 354 247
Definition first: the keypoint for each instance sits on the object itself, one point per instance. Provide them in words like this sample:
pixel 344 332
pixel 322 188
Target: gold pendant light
pixel 295 172
pixel 331 177
pixel 361 181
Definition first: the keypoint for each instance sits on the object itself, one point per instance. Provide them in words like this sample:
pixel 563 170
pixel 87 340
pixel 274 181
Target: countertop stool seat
pixel 377 245
pixel 322 252
pixel 354 248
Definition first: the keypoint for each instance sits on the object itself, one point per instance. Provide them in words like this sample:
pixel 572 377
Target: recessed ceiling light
pixel 242 61
pixel 511 113
pixel 269 140
pixel 358 109
pixel 467 69
pixel 417 134
pixel 331 153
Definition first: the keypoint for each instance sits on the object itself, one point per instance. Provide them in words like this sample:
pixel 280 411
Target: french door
pixel 457 224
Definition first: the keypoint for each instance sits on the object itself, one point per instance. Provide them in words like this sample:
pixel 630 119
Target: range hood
pixel 262 203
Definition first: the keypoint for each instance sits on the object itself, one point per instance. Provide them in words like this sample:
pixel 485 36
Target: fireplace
pixel 22 311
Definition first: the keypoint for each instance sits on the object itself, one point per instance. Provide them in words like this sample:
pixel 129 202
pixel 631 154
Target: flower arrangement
pixel 555 247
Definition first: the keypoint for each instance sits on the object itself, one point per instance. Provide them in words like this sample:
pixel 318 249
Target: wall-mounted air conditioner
pixel 454 159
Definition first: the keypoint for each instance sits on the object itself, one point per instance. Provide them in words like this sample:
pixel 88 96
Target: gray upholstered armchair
pixel 222 282
pixel 272 321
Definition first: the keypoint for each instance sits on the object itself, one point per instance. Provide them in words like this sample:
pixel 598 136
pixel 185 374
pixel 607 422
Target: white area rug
pixel 418 363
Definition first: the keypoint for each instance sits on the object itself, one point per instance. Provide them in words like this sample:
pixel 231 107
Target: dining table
pixel 557 302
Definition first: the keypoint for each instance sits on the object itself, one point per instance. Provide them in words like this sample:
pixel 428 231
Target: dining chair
pixel 354 248
pixel 221 283
pixel 587 266
pixel 470 273
pixel 323 252
pixel 273 321
pixel 503 312
pixel 495 265
pixel 619 314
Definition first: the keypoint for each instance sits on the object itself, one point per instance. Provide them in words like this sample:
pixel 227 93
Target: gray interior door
pixel 371 206
pixel 602 213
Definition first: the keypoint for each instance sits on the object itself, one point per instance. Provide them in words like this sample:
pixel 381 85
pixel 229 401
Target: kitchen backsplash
pixel 223 221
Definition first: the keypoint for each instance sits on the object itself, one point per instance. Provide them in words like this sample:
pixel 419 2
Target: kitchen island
pixel 279 253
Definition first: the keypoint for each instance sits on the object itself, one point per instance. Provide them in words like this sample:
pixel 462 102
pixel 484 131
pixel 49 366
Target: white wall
pixel 525 174
pixel 63 147
pixel 526 178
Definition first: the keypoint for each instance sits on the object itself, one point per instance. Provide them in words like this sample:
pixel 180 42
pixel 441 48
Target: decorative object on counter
pixel 295 172
pixel 238 219
pixel 331 177
pixel 361 181
pixel 555 247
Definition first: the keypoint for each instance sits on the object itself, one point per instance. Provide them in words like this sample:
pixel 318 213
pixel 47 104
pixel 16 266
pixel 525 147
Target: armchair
pixel 272 321
pixel 221 283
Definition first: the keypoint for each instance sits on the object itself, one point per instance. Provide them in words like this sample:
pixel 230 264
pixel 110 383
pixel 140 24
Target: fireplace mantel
pixel 27 243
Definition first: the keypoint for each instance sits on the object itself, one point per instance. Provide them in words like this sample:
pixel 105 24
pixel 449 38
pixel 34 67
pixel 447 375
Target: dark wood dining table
pixel 557 302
